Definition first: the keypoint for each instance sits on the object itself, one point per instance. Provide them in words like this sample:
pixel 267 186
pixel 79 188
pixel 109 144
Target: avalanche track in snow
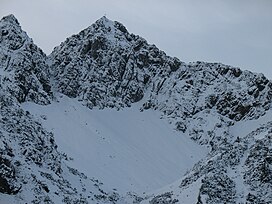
pixel 127 149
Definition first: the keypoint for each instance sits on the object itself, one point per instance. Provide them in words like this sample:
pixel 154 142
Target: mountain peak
pixel 10 19
pixel 104 22
pixel 110 25
pixel 104 19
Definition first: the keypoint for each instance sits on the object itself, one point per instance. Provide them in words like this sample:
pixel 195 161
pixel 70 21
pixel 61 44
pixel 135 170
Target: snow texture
pixel 125 149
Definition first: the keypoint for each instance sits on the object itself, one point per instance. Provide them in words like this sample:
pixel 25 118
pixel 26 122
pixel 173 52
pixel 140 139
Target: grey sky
pixel 235 32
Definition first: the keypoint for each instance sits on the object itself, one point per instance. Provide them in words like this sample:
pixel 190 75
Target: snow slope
pixel 128 150
pixel 243 128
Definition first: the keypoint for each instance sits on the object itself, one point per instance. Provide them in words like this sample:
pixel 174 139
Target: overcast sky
pixel 234 32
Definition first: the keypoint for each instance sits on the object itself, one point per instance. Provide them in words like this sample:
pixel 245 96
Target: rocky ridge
pixel 105 66
pixel 24 72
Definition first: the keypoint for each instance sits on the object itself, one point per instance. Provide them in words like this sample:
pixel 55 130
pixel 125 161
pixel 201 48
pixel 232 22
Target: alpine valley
pixel 109 118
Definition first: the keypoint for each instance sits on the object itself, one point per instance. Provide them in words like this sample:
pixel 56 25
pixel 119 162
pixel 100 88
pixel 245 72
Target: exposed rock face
pixel 105 66
pixel 165 198
pixel 217 86
pixel 24 72
pixel 203 101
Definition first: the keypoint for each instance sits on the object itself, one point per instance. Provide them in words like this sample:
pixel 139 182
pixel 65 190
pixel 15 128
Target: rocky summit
pixel 103 75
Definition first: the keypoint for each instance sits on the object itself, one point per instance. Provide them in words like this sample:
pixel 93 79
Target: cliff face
pixel 105 66
pixel 24 72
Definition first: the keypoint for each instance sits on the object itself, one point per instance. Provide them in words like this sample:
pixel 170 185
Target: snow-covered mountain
pixel 109 118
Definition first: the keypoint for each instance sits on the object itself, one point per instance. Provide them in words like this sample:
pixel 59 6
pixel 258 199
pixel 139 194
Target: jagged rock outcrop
pixel 23 67
pixel 203 99
pixel 105 66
